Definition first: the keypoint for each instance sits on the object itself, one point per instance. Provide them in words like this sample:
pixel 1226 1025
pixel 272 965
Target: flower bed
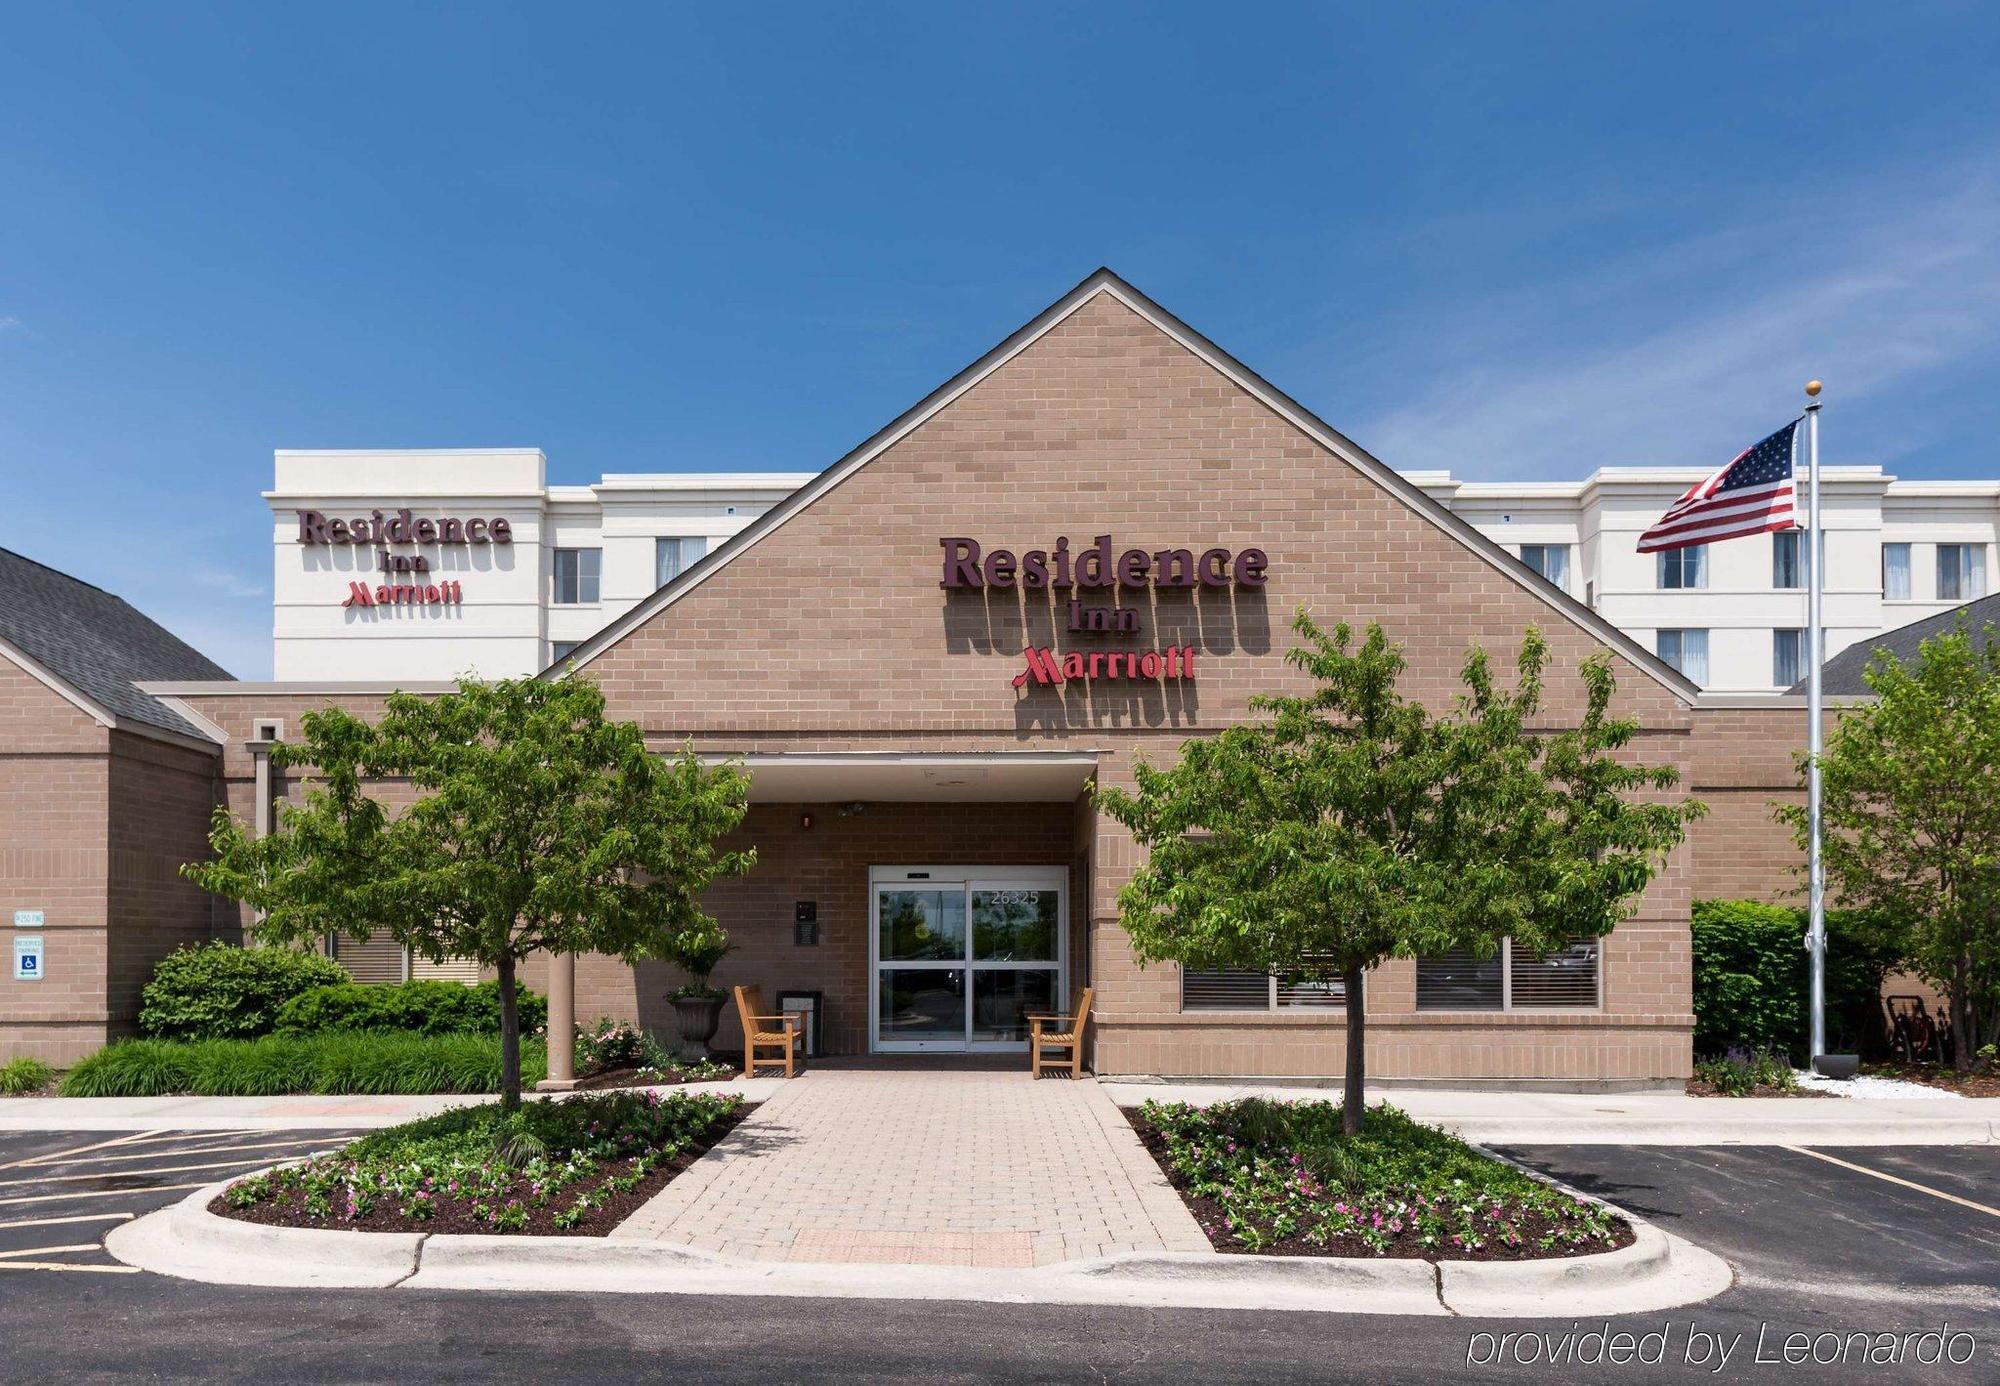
pixel 673 1073
pixel 1279 1178
pixel 575 1167
pixel 1747 1073
pixel 619 1054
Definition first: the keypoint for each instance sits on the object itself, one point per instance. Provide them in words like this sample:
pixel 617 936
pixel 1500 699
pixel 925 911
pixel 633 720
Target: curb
pixel 185 1240
pixel 1857 1131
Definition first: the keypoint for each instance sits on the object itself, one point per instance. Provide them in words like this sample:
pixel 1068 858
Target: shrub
pixel 618 1044
pixel 19 1076
pixel 1742 1071
pixel 333 1063
pixel 219 991
pixel 423 1007
pixel 1751 970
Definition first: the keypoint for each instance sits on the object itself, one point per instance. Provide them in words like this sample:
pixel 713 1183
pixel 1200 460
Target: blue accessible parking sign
pixel 28 960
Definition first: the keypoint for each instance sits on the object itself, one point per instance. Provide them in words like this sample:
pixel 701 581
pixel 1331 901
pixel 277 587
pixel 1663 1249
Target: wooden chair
pixel 789 1038
pixel 1070 1037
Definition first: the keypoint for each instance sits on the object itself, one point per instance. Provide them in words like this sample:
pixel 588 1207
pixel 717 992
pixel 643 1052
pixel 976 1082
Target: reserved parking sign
pixel 28 959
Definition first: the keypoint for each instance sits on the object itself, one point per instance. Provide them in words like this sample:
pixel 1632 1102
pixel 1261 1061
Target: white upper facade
pixel 573 557
pixel 1732 616
pixel 546 566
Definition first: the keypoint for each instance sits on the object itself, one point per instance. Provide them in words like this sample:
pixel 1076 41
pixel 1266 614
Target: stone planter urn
pixel 698 1017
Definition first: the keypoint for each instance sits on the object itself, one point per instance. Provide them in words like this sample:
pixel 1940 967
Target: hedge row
pixel 1751 974
pixel 417 1007
pixel 277 1064
pixel 218 991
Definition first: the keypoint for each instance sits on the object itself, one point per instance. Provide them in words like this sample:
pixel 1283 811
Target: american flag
pixel 1752 495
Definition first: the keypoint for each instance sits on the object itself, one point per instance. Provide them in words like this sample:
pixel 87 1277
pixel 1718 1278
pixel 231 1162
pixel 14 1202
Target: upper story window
pixel 1961 572
pixel 1686 650
pixel 1896 572
pixel 1684 567
pixel 1787 552
pixel 577 573
pixel 673 556
pixel 1550 560
pixel 1788 657
pixel 559 650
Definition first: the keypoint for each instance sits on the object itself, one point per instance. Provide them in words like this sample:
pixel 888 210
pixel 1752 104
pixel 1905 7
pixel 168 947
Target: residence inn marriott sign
pixel 1080 551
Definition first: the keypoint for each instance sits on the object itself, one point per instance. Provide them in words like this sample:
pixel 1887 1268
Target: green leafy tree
pixel 537 825
pixel 1910 794
pixel 1351 825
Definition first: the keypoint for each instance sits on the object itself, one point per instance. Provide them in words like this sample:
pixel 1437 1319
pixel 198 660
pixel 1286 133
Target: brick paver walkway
pixel 928 1168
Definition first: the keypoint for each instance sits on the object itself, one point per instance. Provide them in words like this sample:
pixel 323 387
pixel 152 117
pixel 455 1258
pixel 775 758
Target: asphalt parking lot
pixel 1819 1248
pixel 60 1192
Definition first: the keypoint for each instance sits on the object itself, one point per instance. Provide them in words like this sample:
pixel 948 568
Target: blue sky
pixel 1514 240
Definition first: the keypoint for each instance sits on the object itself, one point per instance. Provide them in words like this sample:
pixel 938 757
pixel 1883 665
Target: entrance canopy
pixel 807 777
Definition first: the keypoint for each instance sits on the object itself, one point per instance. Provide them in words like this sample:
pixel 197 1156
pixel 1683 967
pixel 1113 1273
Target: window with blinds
pixel 1510 980
pixel 1457 981
pixel 1234 990
pixel 382 960
pixel 1567 977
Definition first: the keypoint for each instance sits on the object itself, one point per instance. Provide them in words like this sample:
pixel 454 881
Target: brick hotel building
pixel 1083 549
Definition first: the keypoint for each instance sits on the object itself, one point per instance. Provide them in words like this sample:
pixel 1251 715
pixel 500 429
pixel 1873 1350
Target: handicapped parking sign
pixel 29 961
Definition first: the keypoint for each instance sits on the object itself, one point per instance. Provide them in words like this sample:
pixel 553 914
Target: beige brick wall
pixel 54 781
pixel 160 799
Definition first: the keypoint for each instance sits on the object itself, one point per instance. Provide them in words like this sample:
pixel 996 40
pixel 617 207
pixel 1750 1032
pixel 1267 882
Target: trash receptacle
pixel 806 1004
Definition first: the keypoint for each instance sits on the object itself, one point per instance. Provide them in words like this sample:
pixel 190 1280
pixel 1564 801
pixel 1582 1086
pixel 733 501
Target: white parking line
pixel 93 1193
pixel 132 1173
pixel 1894 1179
pixel 68 1266
pixel 48 1250
pixel 60 1155
pixel 78 1217
pixel 176 1154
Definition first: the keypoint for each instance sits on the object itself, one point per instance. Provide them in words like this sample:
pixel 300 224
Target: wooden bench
pixel 788 1038
pixel 1070 1037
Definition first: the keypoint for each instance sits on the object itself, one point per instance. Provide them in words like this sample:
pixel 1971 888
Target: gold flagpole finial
pixel 1813 388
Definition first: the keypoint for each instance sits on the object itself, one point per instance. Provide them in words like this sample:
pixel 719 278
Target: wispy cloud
pixel 1687 353
pixel 10 323
pixel 235 584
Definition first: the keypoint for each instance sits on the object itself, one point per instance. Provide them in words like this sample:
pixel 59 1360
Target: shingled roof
pixel 97 644
pixel 1843 673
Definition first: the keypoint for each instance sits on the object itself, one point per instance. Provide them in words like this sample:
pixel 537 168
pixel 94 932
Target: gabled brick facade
pixel 824 628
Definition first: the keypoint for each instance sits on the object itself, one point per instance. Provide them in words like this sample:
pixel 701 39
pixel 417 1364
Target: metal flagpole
pixel 1815 650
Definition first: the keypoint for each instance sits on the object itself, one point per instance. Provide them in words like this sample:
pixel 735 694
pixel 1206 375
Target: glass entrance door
pixel 960 960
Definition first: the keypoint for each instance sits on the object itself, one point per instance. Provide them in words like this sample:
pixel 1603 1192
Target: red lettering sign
pixel 1045 666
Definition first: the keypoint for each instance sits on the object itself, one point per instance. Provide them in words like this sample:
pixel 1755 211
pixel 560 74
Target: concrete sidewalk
pixel 985 1169
pixel 267 1113
pixel 1649 1118
pixel 1499 1118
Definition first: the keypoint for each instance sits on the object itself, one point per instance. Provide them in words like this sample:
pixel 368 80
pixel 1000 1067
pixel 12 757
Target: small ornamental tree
pixel 1352 825
pixel 538 826
pixel 1910 799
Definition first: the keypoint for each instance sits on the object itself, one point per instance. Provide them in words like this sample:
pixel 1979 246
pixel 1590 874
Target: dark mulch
pixel 456 1215
pixel 1697 1088
pixel 1939 1076
pixel 1214 1220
